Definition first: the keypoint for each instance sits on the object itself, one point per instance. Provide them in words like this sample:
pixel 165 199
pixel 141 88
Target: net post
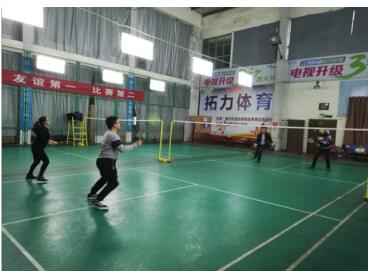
pixel 366 192
pixel 161 136
pixel 67 137
pixel 160 158
pixel 86 127
pixel 170 139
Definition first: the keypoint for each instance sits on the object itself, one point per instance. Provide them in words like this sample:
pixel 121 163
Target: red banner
pixel 47 83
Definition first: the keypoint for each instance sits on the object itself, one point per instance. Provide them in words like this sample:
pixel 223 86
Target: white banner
pixel 227 78
pixel 338 67
pixel 263 74
pixel 237 105
pixel 222 78
pixel 350 66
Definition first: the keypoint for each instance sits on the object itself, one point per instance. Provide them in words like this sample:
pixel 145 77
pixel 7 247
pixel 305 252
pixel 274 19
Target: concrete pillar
pixel 281 74
pixel 131 77
pixel 195 45
pixel 25 101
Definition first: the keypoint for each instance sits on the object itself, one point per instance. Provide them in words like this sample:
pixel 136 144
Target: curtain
pixel 104 108
pixel 10 60
pixel 182 96
pixel 11 30
pixel 77 31
pixel 92 32
pixel 9 105
pixel 56 105
pixel 178 131
pixel 168 59
pixel 357 118
pixel 161 98
pixel 348 89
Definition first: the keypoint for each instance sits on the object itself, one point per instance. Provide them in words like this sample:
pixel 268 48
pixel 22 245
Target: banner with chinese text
pixel 352 66
pixel 237 105
pixel 263 74
pixel 225 78
pixel 42 82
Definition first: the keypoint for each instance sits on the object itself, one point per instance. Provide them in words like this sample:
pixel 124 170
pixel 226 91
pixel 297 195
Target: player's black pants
pixel 39 155
pixel 259 151
pixel 326 153
pixel 108 180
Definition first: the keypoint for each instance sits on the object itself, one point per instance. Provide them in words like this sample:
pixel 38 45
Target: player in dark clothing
pixel 324 147
pixel 41 131
pixel 111 146
pixel 264 141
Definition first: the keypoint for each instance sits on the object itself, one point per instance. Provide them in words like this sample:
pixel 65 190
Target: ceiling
pixel 205 11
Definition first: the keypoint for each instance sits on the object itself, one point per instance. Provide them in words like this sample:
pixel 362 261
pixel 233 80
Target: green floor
pixel 205 211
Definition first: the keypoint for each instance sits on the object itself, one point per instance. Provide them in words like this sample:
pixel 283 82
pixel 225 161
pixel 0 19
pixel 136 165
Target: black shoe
pixel 30 177
pixel 311 167
pixel 41 180
pixel 92 196
pixel 99 205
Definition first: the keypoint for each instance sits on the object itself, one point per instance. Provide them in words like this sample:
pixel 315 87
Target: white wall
pixel 242 18
pixel 301 102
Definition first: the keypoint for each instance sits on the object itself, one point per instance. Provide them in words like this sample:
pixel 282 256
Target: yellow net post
pixel 160 158
pixel 85 132
pixel 73 131
pixel 366 192
pixel 170 139
pixel 67 137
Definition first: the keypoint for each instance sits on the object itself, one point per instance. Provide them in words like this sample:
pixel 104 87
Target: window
pixel 219 48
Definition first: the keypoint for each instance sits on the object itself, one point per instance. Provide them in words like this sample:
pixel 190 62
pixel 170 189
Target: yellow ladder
pixel 77 134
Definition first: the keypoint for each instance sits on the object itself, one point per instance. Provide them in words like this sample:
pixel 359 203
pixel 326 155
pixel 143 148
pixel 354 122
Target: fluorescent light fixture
pixel 51 64
pixel 135 46
pixel 202 67
pixel 112 77
pixel 157 85
pixel 28 15
pixel 245 79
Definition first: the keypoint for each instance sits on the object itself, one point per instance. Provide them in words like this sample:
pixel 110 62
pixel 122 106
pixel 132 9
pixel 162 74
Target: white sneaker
pixel 99 205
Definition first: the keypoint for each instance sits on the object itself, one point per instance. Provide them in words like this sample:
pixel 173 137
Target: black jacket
pixel 42 136
pixel 324 141
pixel 268 139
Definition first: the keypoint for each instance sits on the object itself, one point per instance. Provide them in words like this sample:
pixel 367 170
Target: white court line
pixel 323 239
pixel 17 169
pixel 295 165
pixel 286 172
pixel 15 180
pixel 57 176
pixel 246 165
pixel 89 172
pixel 264 243
pixel 29 257
pixel 224 191
pixel 315 177
pixel 76 155
pixel 91 206
pixel 235 194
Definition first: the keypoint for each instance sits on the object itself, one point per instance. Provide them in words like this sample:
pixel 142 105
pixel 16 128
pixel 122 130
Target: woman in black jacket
pixel 41 131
